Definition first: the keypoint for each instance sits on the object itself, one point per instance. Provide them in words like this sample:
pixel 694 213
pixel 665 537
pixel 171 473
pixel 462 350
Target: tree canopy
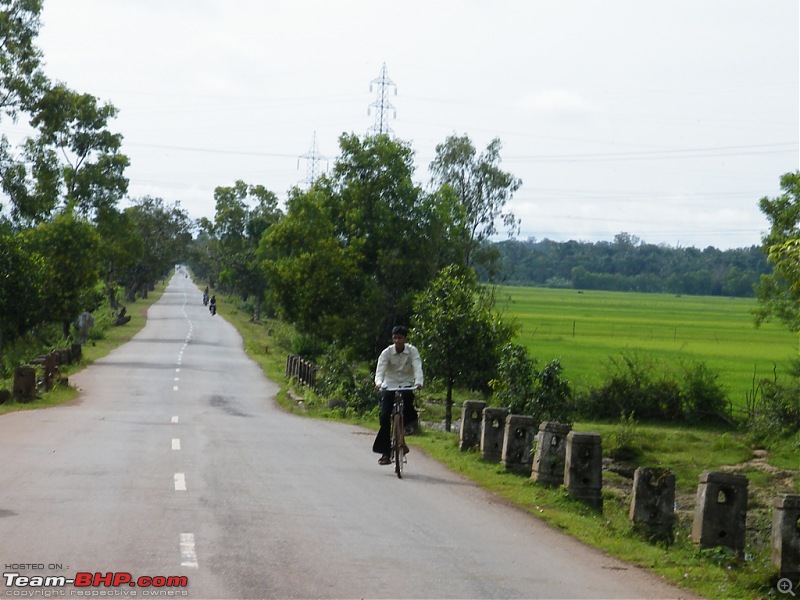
pixel 779 292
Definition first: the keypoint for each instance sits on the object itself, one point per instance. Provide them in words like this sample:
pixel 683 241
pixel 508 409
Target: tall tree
pixel 481 186
pixel 21 77
pixel 243 213
pixel 77 126
pixel 22 82
pixel 370 222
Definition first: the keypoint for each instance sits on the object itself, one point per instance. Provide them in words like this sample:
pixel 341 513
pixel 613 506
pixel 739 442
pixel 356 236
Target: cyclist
pixel 399 365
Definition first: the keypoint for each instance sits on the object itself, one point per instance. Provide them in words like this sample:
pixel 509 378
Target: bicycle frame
pixel 398 429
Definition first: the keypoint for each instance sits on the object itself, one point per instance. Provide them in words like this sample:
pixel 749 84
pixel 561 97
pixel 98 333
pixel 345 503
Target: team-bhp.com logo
pixel 156 585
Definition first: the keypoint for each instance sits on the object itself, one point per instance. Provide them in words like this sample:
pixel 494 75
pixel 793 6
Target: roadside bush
pixel 705 398
pixel 773 411
pixel 523 388
pixel 343 385
pixel 652 392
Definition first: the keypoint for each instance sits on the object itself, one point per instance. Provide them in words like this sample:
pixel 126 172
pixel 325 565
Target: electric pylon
pixel 313 158
pixel 382 104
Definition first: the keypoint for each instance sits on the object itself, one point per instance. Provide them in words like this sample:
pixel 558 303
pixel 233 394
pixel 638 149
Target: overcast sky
pixel 664 119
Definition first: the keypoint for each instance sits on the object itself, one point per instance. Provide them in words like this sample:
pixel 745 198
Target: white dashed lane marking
pixel 188 553
pixel 176 443
pixel 180 482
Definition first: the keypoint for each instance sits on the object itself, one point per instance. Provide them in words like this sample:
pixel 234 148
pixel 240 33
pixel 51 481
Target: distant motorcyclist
pixel 212 305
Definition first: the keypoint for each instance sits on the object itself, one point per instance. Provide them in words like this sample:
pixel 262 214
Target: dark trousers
pixel 383 441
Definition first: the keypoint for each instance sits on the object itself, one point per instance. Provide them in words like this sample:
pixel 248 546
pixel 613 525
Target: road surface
pixel 175 465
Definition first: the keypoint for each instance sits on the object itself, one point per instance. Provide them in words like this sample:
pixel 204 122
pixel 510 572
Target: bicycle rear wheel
pixel 397 444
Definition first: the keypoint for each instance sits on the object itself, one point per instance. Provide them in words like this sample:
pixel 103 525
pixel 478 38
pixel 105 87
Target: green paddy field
pixel 587 329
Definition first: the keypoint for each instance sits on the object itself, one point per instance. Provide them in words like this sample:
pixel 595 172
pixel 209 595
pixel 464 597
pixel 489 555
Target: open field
pixel 585 330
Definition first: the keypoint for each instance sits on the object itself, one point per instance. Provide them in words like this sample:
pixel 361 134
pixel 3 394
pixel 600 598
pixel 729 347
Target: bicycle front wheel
pixel 397 444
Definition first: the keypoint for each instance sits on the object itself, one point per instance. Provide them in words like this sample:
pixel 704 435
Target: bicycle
pixel 398 454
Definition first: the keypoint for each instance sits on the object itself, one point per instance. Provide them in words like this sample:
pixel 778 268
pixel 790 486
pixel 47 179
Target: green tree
pixel 70 247
pixel 121 249
pixel 778 293
pixel 21 282
pixel 459 334
pixel 480 185
pixel 238 229
pixel 77 126
pixel 165 234
pixel 376 232
pixel 21 83
pixel 313 278
pixel 21 77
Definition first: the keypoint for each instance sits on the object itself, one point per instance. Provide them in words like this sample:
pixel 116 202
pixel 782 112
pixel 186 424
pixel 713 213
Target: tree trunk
pixel 448 411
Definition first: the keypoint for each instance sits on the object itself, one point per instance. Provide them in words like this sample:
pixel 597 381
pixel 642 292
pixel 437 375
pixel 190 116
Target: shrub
pixel 526 390
pixel 639 385
pixel 773 410
pixel 341 383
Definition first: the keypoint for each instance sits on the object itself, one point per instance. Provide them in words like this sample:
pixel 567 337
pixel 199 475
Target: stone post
pixel 720 512
pixel 492 432
pixel 470 433
pixel 653 503
pixel 786 536
pixel 24 389
pixel 550 455
pixel 583 469
pixel 517 455
pixel 50 366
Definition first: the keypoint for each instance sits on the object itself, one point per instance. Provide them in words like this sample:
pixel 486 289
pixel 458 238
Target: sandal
pixel 384 460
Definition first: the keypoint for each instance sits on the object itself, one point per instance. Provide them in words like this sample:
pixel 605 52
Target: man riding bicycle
pixel 399 365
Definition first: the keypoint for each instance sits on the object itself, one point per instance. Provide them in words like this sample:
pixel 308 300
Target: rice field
pixel 585 330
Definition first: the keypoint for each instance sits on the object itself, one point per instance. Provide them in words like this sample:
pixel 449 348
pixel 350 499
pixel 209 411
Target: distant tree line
pixel 629 265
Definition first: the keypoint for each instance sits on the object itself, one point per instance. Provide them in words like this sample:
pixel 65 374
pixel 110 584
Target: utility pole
pixel 313 158
pixel 382 104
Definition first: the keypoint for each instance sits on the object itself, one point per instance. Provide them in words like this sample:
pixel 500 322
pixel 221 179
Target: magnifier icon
pixel 785 586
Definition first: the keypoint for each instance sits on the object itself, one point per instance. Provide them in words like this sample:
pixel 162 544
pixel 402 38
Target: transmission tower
pixel 313 158
pixel 382 104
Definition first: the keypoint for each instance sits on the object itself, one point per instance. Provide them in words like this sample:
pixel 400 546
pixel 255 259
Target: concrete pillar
pixel 583 469
pixel 550 455
pixel 720 512
pixel 24 383
pixel 653 503
pixel 493 428
pixel 50 366
pixel 471 418
pixel 517 455
pixel 786 535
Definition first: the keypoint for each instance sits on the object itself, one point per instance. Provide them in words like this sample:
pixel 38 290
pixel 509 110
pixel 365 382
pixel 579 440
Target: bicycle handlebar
pixel 409 388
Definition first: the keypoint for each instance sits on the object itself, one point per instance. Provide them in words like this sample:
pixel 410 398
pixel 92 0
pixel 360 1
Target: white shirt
pixel 399 369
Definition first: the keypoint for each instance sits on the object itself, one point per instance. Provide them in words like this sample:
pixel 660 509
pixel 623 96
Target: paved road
pixel 175 462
